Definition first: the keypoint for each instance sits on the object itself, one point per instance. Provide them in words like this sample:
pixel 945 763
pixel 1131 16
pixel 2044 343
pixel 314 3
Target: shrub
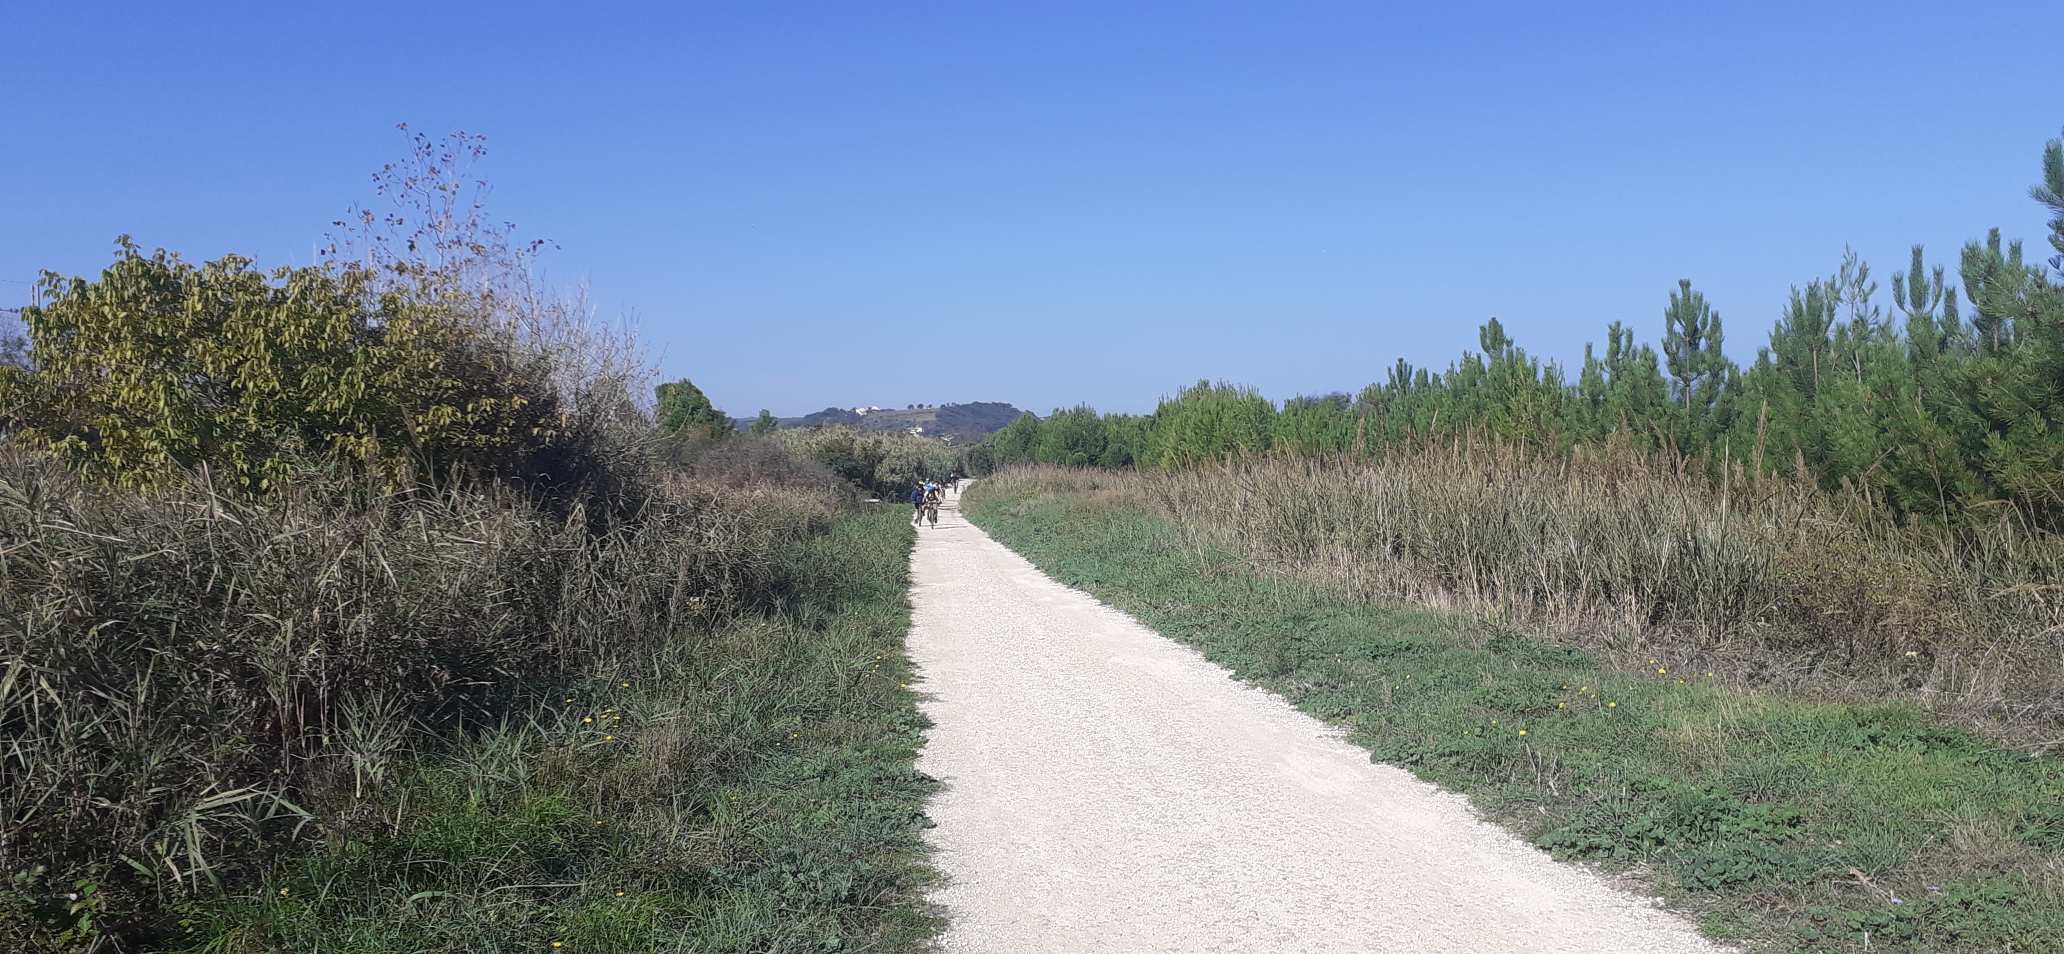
pixel 158 366
pixel 194 676
pixel 885 464
pixel 423 350
pixel 681 406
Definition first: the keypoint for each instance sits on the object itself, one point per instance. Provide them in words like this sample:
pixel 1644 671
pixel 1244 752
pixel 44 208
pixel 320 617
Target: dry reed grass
pixel 1767 582
pixel 188 677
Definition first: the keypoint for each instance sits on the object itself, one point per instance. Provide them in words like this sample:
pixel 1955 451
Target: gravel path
pixel 1110 791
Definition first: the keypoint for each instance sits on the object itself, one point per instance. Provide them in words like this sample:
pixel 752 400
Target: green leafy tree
pixel 765 424
pixel 681 407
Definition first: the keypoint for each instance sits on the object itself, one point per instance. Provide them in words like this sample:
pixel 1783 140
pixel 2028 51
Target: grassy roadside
pixel 1787 824
pixel 751 788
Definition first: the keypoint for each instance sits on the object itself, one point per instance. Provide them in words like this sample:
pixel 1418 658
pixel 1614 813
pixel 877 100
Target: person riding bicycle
pixel 917 502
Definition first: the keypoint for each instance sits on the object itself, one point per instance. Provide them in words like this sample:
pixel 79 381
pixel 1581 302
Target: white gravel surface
pixel 1109 790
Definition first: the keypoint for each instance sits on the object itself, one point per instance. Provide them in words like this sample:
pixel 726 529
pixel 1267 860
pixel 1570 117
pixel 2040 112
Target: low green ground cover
pixel 747 789
pixel 1785 823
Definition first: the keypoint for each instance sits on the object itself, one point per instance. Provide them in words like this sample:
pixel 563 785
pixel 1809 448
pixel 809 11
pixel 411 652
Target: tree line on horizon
pixel 1949 402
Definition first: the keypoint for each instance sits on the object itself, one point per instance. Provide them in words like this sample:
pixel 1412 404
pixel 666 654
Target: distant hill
pixel 965 421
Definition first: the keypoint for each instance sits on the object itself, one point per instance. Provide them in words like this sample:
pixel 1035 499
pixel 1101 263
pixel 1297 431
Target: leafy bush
pixel 422 351
pixel 885 464
pixel 680 405
pixel 159 366
pixel 295 567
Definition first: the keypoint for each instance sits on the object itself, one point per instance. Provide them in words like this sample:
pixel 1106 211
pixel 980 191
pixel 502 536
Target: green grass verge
pixel 752 789
pixel 1788 824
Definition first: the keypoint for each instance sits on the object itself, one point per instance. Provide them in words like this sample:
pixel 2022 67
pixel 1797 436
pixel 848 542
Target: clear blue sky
pixel 897 202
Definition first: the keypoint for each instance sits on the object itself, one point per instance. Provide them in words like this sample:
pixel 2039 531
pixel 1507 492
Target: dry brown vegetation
pixel 193 675
pixel 1764 581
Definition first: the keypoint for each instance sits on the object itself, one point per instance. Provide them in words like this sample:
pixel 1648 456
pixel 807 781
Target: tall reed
pixel 190 677
pixel 1767 580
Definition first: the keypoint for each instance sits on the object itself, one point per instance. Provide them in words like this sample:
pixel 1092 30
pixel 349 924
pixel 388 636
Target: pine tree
pixel 1014 444
pixel 2050 192
pixel 1929 305
pixel 1074 437
pixel 1994 281
pixel 1588 411
pixel 1692 341
pixel 1493 338
pixel 766 423
pixel 1209 421
pixel 1855 293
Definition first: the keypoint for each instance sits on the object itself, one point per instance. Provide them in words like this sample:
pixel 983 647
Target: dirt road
pixel 1110 791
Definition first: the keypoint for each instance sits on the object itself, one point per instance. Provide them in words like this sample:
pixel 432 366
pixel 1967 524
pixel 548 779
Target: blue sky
pixel 1048 203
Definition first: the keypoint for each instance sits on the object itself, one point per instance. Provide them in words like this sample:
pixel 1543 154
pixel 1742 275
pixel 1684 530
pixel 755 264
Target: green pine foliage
pixel 1931 414
pixel 1206 421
